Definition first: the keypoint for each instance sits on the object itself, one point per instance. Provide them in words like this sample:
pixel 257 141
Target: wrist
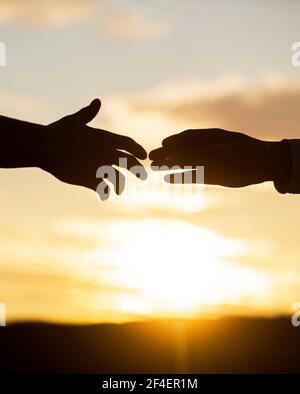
pixel 280 158
pixel 33 139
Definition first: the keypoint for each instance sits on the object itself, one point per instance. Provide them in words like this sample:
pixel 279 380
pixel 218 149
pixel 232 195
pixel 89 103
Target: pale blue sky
pixel 205 39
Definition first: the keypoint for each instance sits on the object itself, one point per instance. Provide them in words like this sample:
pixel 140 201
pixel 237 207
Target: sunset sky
pixel 159 67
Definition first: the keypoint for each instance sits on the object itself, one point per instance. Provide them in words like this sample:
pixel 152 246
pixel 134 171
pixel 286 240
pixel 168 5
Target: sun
pixel 176 269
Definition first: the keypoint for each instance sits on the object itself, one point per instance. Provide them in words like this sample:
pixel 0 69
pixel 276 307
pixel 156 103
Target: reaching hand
pixel 229 158
pixel 73 151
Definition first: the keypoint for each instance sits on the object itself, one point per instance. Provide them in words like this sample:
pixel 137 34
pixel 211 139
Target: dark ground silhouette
pixel 239 345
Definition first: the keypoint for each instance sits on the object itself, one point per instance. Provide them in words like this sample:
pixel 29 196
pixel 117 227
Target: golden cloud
pixel 269 109
pixel 53 14
pixel 132 23
pixel 115 22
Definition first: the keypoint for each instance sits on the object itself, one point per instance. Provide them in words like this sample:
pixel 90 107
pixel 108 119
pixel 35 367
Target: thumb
pixel 86 114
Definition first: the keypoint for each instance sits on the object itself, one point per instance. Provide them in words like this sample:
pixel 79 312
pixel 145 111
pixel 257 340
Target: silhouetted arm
pixel 293 184
pixel 230 159
pixel 70 150
pixel 19 143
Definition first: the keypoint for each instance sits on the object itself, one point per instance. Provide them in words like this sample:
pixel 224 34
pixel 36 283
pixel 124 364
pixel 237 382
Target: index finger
pixel 159 153
pixel 130 145
pixel 172 139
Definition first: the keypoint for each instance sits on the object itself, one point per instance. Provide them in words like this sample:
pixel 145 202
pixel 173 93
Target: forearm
pixel 19 143
pixel 279 159
pixel 292 183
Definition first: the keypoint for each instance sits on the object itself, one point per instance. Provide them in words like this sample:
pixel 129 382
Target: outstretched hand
pixel 73 151
pixel 229 158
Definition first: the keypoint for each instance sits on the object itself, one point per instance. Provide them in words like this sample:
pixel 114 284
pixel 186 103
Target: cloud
pixel 132 23
pixel 115 22
pixel 269 108
pixel 52 14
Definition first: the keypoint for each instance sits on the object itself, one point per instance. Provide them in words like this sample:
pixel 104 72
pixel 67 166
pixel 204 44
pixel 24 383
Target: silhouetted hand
pixel 229 158
pixel 73 151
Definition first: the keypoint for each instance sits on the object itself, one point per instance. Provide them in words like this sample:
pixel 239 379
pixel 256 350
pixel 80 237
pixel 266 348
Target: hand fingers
pixel 82 117
pixel 187 177
pixel 159 153
pixel 122 142
pixel 166 164
pixel 129 144
pixel 178 148
pixel 175 138
pixel 180 162
pixel 86 114
pixel 188 136
pixel 130 163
